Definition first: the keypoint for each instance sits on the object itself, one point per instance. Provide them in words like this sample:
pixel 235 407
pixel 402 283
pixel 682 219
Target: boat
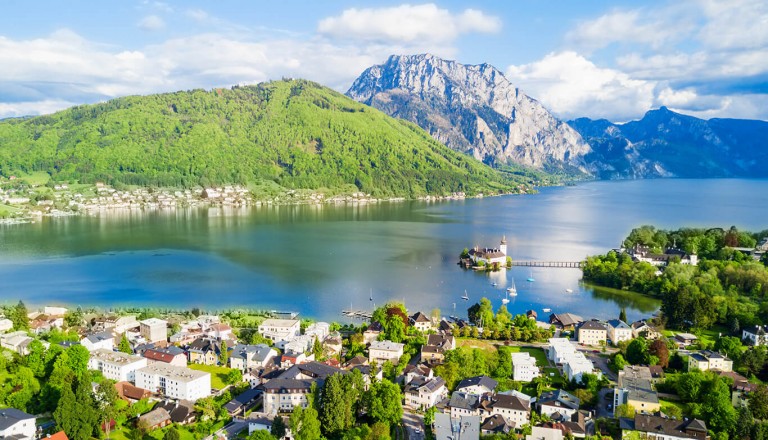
pixel 568 290
pixel 494 284
pixel 466 296
pixel 547 310
pixel 371 295
pixel 505 300
pixel 512 290
pixel 531 278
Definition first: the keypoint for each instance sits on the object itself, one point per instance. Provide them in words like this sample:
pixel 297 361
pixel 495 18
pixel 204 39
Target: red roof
pixel 61 435
pixel 158 356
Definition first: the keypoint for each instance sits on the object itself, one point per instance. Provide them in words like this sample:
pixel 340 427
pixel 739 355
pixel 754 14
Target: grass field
pixel 122 434
pixel 218 374
pixel 476 343
pixel 535 352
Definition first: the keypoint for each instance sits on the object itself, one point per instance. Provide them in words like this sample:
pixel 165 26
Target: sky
pixel 599 59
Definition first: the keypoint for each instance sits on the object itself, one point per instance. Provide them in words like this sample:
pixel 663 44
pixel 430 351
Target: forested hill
pixel 296 133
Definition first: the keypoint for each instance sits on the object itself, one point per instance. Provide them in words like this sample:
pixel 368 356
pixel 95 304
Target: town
pixel 407 375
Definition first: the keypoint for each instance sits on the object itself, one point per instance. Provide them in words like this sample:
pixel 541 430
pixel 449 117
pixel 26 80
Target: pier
pixel 568 264
pixel 359 314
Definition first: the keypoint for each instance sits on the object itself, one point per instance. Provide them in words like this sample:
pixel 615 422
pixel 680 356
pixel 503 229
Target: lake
pixel 318 260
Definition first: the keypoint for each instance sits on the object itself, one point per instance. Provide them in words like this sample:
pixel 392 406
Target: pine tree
pixel 125 346
pixel 317 348
pixel 19 318
pixel 278 427
pixel 333 406
pixel 224 354
pixel 623 315
pixel 304 424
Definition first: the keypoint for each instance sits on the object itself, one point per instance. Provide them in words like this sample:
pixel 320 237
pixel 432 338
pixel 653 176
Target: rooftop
pixel 11 416
pixel 181 374
pixel 386 345
pixel 114 357
pixel 272 322
pixel 152 322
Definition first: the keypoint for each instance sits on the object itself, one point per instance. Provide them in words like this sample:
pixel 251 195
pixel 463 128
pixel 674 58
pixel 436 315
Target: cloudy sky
pixel 601 59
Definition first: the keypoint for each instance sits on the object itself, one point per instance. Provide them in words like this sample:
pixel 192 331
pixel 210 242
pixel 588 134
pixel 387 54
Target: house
pixel 463 404
pixel 16 425
pixel 575 363
pixel 515 410
pixel 576 425
pixel 280 331
pixel 531 314
pixel 495 424
pixel 685 339
pixel 543 433
pixel 44 323
pixel 524 367
pixel 644 254
pixel 5 325
pixel 204 351
pixel 219 331
pixel 424 392
pixel 651 427
pixel 755 336
pixel 477 385
pixel 131 393
pixel 382 351
pixel 182 412
pixel 372 333
pixel 412 371
pixel 171 355
pixel 635 388
pixel 333 344
pixel 16 341
pixel 174 382
pixel 490 256
pixel 283 395
pixel 116 324
pixel 592 333
pixel 154 330
pixel 709 360
pixel 155 419
pixel 740 389
pixel 618 331
pixel 262 421
pixel 463 428
pixel 434 350
pixel 319 330
pixel 245 357
pixel 243 402
pixel 311 371
pixel 102 340
pixel 116 365
pixel 300 345
pixel 421 322
pixel 558 402
pixel 565 321
pixel 641 328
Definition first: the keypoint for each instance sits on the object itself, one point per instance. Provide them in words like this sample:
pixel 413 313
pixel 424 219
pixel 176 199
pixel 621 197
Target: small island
pixel 490 259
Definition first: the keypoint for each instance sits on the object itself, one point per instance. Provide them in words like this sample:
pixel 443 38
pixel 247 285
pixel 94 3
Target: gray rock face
pixel 473 109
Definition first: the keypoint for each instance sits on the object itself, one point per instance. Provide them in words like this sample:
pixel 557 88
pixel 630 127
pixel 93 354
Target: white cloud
pixel 407 24
pixel 16 109
pixel 151 23
pixel 625 26
pixel 572 86
pixel 735 24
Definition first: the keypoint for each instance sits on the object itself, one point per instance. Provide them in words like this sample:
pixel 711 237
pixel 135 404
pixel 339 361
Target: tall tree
pixel 383 402
pixel 223 354
pixel 334 407
pixel 304 424
pixel 758 402
pixel 637 352
pixel 124 345
pixel 278 427
pixel 659 349
pixel 20 317
pixel 77 359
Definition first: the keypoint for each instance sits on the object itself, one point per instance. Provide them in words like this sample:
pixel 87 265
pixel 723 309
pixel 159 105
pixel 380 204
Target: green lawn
pixel 218 374
pixel 476 343
pixel 667 403
pixel 557 380
pixel 157 434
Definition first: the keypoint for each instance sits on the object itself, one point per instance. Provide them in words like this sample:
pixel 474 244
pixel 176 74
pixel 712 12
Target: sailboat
pixel 512 290
pixel 466 296
pixel 506 299
pixel 531 278
pixel 371 295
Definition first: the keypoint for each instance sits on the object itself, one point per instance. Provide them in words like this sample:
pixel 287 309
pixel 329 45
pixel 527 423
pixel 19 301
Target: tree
pixel 304 424
pixel 637 351
pixel 106 398
pixel 74 318
pixel 625 410
pixel 125 346
pixel 383 402
pixel 317 348
pixel 261 434
pixel 333 406
pixel 223 354
pixel 659 349
pixel 19 317
pixel 623 315
pixel 171 434
pixel 429 416
pixel 758 402
pixel 730 346
pixel 77 359
pixel 278 427
pixel 618 363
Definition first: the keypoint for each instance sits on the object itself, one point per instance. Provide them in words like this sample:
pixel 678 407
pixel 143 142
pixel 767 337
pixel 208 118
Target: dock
pixel 567 264
pixel 359 314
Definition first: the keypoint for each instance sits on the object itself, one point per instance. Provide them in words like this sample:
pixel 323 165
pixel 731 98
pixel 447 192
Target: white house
pixel 558 401
pixel 543 433
pixel 16 341
pixel 16 425
pixel 425 392
pixel 5 325
pixel 382 351
pixel 490 255
pixel 558 348
pixel 318 329
pixel 245 357
pixel 618 331
pixel 174 382
pixel 116 365
pixel 299 345
pixel 562 351
pixel 524 367
pixel 755 336
pixel 709 360
pixel 280 331
pixel 477 385
pixel 154 330
pixel 283 395
pixel 592 333
pixel 171 355
pixel 95 341
pixel 421 322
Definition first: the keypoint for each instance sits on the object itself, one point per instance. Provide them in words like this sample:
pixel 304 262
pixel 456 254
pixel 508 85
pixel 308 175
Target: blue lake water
pixel 318 260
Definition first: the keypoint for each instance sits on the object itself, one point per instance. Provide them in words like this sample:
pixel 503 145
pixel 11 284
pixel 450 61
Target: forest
pixel 295 133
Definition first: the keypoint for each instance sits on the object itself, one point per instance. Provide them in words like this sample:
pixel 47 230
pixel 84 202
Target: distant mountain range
pixel 291 134
pixel 477 111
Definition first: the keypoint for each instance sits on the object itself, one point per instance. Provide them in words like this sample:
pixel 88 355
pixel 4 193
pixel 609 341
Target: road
pixel 414 425
pixel 602 403
pixel 602 363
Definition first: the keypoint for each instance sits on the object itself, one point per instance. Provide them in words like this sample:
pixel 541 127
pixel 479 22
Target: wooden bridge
pixel 568 264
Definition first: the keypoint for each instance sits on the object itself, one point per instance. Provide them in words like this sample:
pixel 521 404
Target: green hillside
pixel 296 133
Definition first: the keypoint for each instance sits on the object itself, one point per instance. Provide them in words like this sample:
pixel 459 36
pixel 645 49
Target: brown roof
pixel 156 417
pixel 127 391
pixel 159 356
pixel 420 317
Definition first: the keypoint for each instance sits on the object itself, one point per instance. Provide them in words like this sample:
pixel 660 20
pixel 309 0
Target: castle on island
pixel 490 255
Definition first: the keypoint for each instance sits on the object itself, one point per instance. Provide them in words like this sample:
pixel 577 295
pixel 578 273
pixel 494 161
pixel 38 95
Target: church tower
pixel 503 245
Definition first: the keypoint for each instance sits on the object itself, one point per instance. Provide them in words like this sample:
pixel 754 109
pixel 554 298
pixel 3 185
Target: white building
pixel 5 325
pixel 154 330
pixel 490 255
pixel 116 365
pixel 618 331
pixel 280 331
pixel 592 333
pixel 299 345
pixel 425 392
pixel 55 311
pixel 382 351
pixel 16 425
pixel 709 360
pixel 283 395
pixel 245 357
pixel 755 336
pixel 16 341
pixel 562 351
pixel 542 433
pixel 524 366
pixel 95 341
pixel 319 330
pixel 174 382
